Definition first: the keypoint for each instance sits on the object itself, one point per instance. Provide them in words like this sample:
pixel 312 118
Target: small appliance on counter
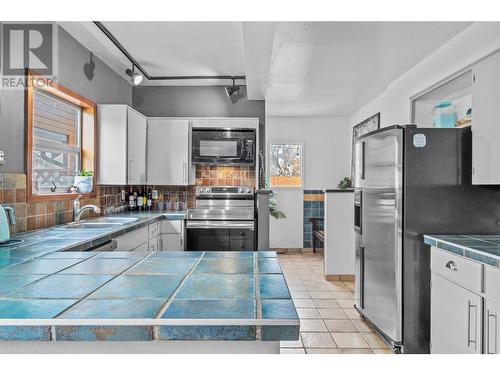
pixel 444 115
pixel 223 146
pixel 6 217
pixel 223 219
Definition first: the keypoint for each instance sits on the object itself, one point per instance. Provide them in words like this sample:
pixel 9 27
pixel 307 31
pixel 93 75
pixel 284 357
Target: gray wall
pixel 106 87
pixel 195 101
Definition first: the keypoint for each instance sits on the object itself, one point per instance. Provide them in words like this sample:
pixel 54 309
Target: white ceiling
pixel 299 68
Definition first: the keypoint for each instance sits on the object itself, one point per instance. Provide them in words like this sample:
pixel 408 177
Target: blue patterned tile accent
pixel 38 267
pixel 10 261
pixel 228 254
pixel 211 309
pixel 94 266
pixel 24 333
pixel 225 265
pixel 159 266
pixel 139 286
pixel 69 255
pixel 104 333
pixel 118 308
pixel 62 286
pixel 269 265
pixel 176 254
pixel 273 286
pixel 9 283
pixel 267 254
pixel 218 287
pixel 32 308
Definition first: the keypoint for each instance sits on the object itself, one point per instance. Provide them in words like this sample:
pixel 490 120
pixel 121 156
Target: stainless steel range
pixel 223 220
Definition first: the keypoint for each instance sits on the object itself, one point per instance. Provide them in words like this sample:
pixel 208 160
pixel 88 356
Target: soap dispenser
pixel 4 223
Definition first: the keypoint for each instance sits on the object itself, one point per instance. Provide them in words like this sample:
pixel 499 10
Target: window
pixel 60 139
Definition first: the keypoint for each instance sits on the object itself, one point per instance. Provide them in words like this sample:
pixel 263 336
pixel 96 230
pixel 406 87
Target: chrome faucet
pixel 78 212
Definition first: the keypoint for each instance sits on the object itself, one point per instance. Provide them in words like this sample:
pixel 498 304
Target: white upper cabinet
pixel 486 121
pixel 137 135
pixel 122 145
pixel 169 152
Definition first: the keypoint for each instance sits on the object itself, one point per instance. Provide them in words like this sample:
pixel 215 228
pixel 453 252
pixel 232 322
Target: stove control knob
pixel 249 191
pixel 242 190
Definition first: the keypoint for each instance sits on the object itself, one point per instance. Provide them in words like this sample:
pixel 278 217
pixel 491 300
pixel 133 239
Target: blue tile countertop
pixel 483 248
pixel 52 240
pixel 130 296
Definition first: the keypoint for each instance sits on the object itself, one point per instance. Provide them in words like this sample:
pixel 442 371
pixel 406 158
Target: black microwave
pixel 223 146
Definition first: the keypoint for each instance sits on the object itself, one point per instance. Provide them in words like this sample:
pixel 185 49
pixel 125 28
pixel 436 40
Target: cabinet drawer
pixel 171 226
pixel 456 268
pixel 492 283
pixel 132 239
pixel 153 244
pixel 153 230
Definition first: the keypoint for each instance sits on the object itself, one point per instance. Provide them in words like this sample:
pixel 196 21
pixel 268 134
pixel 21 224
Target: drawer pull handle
pixel 451 265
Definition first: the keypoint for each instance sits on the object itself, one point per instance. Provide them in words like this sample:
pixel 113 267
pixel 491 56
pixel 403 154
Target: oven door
pixel 220 235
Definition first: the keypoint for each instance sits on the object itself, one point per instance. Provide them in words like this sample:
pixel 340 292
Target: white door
pixel 168 152
pixel 486 121
pixel 137 133
pixel 491 327
pixel 455 318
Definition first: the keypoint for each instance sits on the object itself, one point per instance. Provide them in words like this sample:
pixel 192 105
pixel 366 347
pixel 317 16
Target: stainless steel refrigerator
pixel 411 181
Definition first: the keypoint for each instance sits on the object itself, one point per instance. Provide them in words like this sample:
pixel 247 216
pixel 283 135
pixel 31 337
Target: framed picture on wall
pixel 286 164
pixel 370 124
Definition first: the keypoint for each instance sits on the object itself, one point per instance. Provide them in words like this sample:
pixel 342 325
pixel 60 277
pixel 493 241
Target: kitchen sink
pixel 116 220
pixel 88 225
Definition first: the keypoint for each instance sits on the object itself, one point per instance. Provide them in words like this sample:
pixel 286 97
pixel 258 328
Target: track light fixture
pixel 135 77
pixel 232 90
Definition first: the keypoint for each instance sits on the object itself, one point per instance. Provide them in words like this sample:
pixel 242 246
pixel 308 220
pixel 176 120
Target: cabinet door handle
pixel 129 172
pixel 362 160
pixel 489 332
pixel 184 173
pixel 470 341
pixel 451 265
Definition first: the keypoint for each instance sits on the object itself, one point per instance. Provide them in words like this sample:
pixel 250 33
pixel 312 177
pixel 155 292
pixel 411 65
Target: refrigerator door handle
pixel 362 176
pixel 362 277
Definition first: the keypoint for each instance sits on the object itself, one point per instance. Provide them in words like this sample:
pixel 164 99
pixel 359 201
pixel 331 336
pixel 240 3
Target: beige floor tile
pixel 340 325
pixel 353 314
pixel 322 351
pixel 300 294
pixel 313 325
pixel 362 326
pixel 308 313
pixel 292 344
pixel 333 313
pixel 316 287
pixel 317 340
pixel 350 340
pixel 297 287
pixel 327 303
pixel 375 341
pixel 346 303
pixel 343 295
pixel 303 302
pixel 356 351
pixel 383 351
pixel 322 294
pixel 292 351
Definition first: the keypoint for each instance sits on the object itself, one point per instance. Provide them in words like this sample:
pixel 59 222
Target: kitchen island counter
pixel 159 301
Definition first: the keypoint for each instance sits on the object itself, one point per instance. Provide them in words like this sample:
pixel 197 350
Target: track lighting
pixel 233 92
pixel 135 77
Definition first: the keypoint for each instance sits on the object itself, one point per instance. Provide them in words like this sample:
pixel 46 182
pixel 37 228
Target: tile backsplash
pixel 39 215
pixel 313 207
pixel 219 175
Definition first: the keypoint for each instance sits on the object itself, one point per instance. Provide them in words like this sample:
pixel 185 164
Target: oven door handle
pixel 220 225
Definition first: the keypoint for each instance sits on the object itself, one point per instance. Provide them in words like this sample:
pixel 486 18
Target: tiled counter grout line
pixel 258 302
pixel 53 328
pixel 174 293
pixel 41 278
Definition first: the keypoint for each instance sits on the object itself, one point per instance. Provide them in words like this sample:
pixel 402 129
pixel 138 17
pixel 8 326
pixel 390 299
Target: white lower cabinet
pixel 491 329
pixel 136 240
pixel 172 235
pixel 455 318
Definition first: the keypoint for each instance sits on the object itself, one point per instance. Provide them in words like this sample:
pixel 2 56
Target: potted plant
pixel 345 184
pixel 84 181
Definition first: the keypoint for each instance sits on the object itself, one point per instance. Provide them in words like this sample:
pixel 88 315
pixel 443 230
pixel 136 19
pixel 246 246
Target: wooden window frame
pixel 88 157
